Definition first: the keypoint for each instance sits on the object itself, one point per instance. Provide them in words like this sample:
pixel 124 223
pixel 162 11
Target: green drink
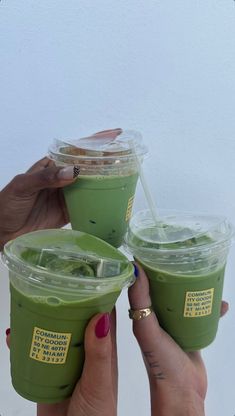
pixel 109 217
pixel 184 256
pixel 59 279
pixel 100 201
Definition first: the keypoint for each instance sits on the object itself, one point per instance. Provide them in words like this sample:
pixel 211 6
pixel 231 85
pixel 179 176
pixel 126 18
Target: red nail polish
pixel 103 326
pixel 8 330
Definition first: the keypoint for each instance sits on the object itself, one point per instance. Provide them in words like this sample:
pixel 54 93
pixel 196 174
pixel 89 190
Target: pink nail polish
pixel 8 330
pixel 103 326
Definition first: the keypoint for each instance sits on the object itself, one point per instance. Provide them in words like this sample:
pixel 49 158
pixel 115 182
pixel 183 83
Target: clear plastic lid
pixel 107 150
pixel 67 260
pixel 178 237
pixel 178 227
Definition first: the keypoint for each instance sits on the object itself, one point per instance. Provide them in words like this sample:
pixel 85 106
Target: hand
pixel 96 392
pixel 34 200
pixel 177 379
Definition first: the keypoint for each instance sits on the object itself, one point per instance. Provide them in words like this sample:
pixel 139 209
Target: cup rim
pixel 32 274
pixel 223 241
pixel 140 151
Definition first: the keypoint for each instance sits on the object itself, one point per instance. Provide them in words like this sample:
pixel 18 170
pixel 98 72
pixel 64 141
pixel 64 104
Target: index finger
pixel 112 133
pixel 43 163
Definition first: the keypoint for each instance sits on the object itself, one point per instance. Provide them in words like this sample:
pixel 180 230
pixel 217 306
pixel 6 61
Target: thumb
pixel 96 380
pixel 50 177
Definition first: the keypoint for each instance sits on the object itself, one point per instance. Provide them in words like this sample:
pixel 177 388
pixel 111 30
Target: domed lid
pixel 114 145
pixel 67 260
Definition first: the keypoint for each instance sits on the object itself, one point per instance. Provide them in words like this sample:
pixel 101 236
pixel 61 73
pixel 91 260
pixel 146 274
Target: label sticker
pixel 198 303
pixel 49 347
pixel 129 208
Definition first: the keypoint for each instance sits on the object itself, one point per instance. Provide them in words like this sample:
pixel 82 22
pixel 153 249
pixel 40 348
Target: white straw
pixel 148 195
pixel 144 184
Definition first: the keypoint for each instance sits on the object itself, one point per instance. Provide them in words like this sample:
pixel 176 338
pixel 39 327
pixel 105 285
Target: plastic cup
pixel 59 279
pixel 100 201
pixel 185 265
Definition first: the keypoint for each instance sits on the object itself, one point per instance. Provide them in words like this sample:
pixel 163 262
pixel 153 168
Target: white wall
pixel 166 68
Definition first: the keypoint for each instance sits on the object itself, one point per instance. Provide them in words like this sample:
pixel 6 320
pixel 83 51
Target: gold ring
pixel 138 314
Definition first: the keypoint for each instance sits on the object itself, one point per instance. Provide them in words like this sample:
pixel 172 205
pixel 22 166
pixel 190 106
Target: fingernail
pixel 103 326
pixel 109 130
pixel 69 172
pixel 136 271
pixel 8 330
pixel 118 131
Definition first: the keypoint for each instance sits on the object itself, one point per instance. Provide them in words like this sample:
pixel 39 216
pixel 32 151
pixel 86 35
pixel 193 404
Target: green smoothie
pixel 100 201
pixel 185 267
pixel 101 205
pixel 59 279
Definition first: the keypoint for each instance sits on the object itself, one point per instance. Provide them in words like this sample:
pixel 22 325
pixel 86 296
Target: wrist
pixel 2 243
pixel 183 403
pixel 4 238
pixel 57 409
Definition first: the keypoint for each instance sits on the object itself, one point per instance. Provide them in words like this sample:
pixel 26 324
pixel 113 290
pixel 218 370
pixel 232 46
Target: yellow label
pixel 198 303
pixel 49 347
pixel 129 208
